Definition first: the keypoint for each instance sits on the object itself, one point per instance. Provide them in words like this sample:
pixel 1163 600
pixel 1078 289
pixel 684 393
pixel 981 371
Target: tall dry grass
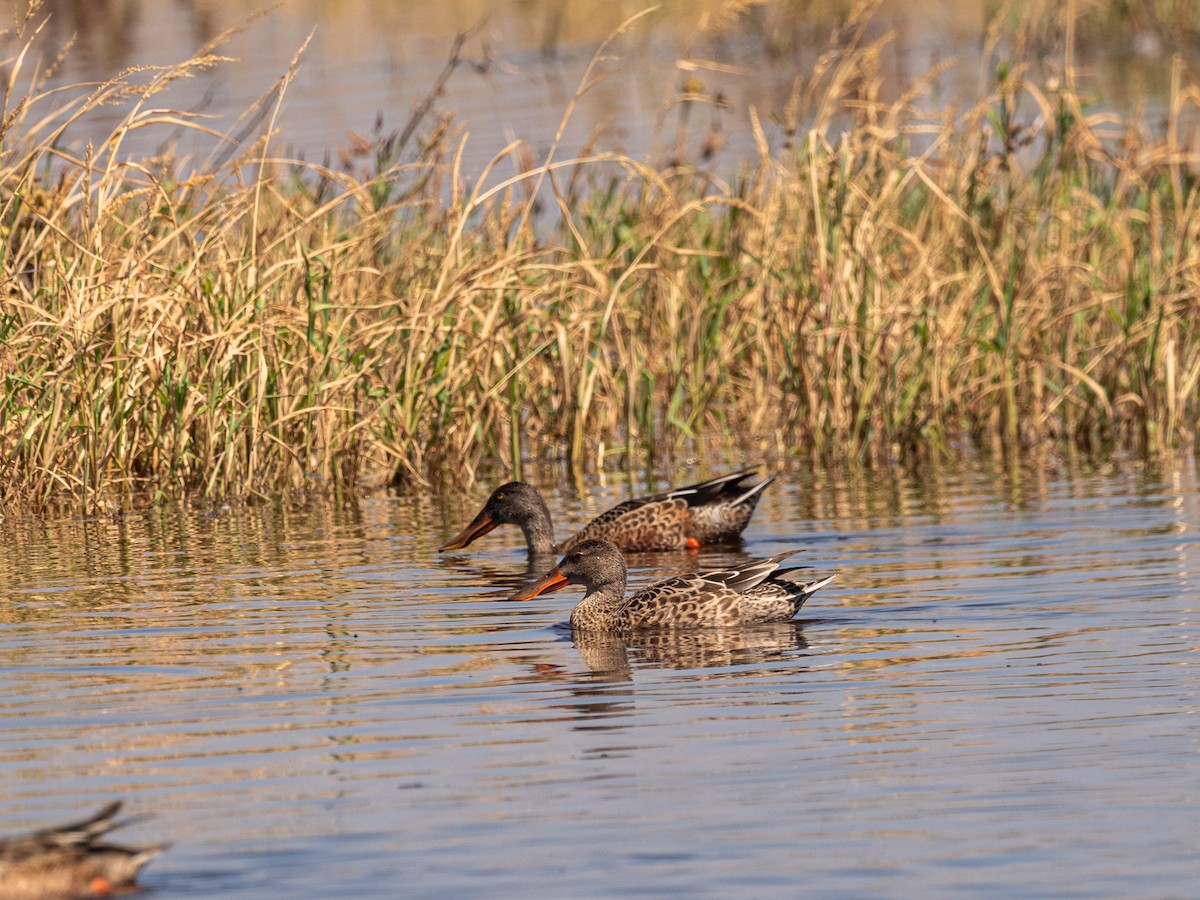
pixel 893 279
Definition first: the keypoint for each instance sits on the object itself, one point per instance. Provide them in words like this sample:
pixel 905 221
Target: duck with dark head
pixel 710 512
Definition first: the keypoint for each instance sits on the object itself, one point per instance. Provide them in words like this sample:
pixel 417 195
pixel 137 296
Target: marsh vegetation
pixel 887 277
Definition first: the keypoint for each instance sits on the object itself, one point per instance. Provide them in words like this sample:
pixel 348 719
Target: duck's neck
pixel 539 531
pixel 601 608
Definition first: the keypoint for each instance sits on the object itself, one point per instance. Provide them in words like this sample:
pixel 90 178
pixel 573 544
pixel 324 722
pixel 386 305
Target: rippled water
pixel 997 696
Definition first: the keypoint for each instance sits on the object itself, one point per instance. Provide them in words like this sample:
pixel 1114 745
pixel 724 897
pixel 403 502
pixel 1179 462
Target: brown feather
pixel 71 861
pixel 708 512
pixel 754 593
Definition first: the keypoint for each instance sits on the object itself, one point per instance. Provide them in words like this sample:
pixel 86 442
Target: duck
pixel 757 592
pixel 710 512
pixel 69 861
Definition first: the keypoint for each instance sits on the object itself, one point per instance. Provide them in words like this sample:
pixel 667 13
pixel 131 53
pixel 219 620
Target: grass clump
pixel 881 280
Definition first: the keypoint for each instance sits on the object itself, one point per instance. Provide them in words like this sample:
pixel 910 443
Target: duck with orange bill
pixel 757 592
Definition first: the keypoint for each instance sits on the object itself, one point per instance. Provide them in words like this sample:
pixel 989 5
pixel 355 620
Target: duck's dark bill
pixel 479 526
pixel 548 583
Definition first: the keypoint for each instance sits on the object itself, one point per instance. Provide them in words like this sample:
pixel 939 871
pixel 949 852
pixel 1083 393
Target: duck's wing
pixel 646 523
pixel 75 834
pixel 723 487
pixel 723 515
pixel 702 513
pixel 700 600
pixel 755 572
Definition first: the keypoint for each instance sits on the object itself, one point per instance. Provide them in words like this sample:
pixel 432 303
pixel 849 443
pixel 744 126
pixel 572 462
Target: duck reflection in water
pixel 612 657
pixel 602 699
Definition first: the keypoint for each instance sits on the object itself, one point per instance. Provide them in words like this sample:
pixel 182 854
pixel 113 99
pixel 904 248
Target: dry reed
pixel 890 281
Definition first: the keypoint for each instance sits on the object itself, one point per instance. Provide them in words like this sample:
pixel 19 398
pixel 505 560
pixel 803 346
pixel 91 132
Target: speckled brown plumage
pixel 709 512
pixel 71 861
pixel 757 592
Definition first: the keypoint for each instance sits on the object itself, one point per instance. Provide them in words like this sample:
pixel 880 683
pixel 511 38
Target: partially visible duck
pixel 757 592
pixel 71 861
pixel 706 513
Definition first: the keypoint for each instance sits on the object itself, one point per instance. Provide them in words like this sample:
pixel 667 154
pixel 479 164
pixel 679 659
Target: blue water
pixel 523 65
pixel 997 697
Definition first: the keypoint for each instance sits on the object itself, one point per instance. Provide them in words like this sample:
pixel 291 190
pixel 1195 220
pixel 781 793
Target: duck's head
pixel 593 564
pixel 515 503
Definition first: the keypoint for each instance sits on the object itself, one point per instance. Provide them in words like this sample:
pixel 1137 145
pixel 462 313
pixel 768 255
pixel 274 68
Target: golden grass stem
pixel 891 280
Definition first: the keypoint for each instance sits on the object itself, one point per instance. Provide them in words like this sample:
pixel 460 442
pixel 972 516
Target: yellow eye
pixel 499 496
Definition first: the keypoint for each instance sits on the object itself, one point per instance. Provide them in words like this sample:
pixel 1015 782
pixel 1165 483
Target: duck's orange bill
pixel 479 526
pixel 551 581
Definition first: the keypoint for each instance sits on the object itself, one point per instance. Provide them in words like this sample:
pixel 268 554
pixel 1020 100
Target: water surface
pixel 524 61
pixel 998 695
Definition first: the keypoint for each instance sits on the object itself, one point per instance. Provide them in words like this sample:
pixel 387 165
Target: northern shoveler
pixel 758 592
pixel 706 513
pixel 71 861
